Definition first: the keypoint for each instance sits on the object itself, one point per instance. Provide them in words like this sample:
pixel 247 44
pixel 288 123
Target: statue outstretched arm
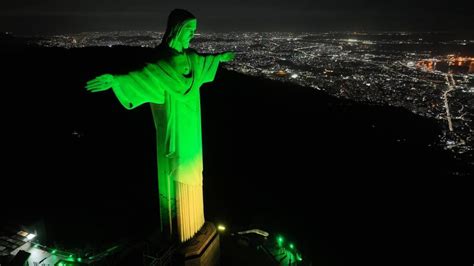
pixel 222 57
pixel 226 56
pixel 207 64
pixel 132 89
pixel 101 83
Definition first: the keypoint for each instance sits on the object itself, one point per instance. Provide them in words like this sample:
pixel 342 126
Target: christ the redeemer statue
pixel 171 85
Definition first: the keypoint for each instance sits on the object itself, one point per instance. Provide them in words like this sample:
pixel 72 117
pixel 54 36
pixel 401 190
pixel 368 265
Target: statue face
pixel 187 32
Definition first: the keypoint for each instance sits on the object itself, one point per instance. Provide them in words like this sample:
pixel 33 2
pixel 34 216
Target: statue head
pixel 179 29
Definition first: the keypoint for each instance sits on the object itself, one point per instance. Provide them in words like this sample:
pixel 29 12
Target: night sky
pixel 67 16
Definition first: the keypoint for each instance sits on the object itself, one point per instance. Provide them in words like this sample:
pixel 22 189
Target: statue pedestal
pixel 202 249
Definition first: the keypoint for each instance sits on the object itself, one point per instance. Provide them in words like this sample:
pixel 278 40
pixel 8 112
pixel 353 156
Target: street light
pixel 221 228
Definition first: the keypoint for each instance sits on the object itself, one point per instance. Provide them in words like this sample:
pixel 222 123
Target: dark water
pixel 348 183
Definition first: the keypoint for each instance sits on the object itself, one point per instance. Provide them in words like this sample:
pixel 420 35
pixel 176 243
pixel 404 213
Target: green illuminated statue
pixel 171 85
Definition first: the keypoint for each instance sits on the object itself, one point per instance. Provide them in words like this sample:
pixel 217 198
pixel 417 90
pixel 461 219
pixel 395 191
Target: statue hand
pixel 101 83
pixel 227 56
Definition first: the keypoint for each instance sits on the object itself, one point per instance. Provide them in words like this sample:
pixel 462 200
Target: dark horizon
pixel 53 17
pixel 465 33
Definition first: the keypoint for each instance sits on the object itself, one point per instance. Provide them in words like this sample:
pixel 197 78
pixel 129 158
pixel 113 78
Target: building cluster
pixel 101 39
pixel 448 64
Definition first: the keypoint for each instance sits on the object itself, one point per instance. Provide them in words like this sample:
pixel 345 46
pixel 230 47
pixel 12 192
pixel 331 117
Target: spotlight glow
pixel 280 241
pixel 299 258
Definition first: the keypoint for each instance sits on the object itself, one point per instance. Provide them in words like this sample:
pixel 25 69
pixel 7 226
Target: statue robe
pixel 175 102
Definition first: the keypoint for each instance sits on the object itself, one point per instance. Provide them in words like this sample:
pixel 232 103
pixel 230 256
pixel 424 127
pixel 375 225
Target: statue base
pixel 202 249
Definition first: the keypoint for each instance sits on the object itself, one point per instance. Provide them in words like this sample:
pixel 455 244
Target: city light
pixel 451 63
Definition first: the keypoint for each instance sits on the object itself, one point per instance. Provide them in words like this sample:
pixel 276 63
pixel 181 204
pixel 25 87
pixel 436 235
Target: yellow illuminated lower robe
pixel 175 103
